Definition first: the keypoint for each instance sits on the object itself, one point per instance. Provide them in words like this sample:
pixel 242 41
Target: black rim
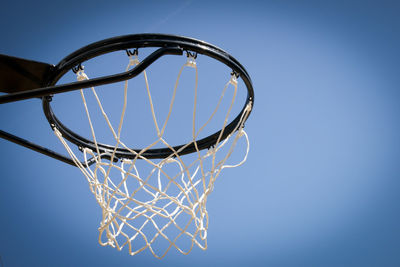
pixel 140 41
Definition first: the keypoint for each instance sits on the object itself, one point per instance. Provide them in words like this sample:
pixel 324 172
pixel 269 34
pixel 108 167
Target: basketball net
pixel 127 219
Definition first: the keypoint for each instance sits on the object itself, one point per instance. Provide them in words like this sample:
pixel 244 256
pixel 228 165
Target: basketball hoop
pixel 150 194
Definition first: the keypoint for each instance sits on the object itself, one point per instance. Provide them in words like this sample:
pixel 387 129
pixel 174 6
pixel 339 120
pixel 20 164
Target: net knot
pixel 126 161
pixel 170 160
pixel 191 60
pixel 57 132
pixel 233 79
pixel 133 60
pixel 81 75
pixel 241 132
pixel 110 242
pixel 248 107
pixel 211 151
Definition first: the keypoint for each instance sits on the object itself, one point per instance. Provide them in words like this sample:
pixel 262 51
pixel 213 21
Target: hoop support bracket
pixel 45 151
pixel 40 92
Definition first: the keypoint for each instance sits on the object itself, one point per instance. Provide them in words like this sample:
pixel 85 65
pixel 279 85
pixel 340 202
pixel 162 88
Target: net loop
pixel 233 79
pixel 191 60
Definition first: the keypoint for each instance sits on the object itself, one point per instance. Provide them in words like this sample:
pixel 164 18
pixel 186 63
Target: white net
pixel 156 204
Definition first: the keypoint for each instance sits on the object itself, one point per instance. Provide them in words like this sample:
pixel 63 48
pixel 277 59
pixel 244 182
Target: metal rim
pixel 140 41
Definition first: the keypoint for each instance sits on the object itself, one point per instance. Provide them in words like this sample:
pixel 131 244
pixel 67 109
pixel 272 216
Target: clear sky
pixel 320 186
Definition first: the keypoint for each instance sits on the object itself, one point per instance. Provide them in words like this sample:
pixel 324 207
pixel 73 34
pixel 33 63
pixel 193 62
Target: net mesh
pixel 165 201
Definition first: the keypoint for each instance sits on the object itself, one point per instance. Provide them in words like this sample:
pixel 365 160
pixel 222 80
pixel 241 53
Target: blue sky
pixel 320 186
